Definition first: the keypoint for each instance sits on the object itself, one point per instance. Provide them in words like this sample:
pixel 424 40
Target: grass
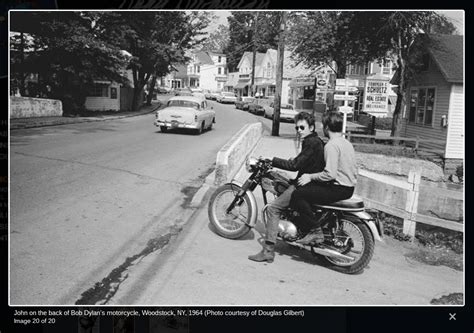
pixel 433 245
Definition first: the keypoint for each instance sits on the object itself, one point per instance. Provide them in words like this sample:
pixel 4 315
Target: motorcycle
pixel 349 231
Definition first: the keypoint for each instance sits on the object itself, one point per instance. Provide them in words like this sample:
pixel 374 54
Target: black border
pixel 316 319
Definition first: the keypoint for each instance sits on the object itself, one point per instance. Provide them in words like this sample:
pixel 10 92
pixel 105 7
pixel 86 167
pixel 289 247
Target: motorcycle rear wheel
pixel 236 223
pixel 365 250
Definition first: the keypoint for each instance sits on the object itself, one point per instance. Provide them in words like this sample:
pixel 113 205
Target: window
pixel 219 70
pixel 182 103
pixel 421 105
pixel 271 91
pixel 219 58
pixel 367 68
pixel 199 69
pixel 99 90
pixel 269 70
pixel 113 93
pixel 386 67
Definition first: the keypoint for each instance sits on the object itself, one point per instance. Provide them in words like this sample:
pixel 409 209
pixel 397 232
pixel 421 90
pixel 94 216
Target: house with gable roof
pixel 434 107
pixel 243 86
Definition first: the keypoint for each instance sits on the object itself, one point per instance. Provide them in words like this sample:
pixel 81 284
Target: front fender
pixel 253 203
pixel 374 225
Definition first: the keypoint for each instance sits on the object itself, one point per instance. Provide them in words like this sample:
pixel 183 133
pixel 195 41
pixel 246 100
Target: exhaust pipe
pixel 331 253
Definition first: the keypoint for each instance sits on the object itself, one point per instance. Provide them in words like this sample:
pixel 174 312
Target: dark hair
pixel 303 115
pixel 333 120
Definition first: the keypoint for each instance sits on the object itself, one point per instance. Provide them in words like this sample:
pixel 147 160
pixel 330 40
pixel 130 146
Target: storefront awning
pixel 241 84
pixel 392 99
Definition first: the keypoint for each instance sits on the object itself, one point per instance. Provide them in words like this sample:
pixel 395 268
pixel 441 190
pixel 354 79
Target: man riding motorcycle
pixel 336 182
pixel 310 160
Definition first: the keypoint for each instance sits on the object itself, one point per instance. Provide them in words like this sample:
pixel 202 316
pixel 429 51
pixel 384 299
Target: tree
pixel 356 37
pixel 341 37
pixel 217 40
pixel 241 34
pixel 64 50
pixel 156 40
pixel 404 28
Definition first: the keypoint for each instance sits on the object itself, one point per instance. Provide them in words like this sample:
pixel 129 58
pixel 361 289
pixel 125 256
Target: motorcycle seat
pixel 351 204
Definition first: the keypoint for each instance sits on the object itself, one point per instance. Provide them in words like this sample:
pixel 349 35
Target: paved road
pixel 87 200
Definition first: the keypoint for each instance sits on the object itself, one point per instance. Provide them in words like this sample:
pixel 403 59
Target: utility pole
pixel 254 55
pixel 279 76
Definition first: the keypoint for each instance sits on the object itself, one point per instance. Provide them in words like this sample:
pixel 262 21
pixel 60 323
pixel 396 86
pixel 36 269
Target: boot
pixel 267 254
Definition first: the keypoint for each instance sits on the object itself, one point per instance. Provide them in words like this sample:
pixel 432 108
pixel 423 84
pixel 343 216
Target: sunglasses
pixel 301 127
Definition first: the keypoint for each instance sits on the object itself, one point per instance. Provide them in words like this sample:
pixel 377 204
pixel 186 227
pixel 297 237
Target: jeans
pixel 273 213
pixel 316 193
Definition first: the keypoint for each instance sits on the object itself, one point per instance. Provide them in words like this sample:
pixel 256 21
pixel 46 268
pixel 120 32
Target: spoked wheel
pixel 234 224
pixel 353 239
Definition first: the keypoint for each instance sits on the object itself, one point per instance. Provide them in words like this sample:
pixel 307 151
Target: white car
pixel 286 112
pixel 196 90
pixel 186 112
pixel 227 97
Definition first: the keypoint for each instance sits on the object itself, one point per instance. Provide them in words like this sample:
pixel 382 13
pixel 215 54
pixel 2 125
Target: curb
pixel 84 119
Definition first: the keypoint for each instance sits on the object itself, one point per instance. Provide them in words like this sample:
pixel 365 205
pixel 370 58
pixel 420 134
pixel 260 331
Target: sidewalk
pixel 22 123
pixel 202 268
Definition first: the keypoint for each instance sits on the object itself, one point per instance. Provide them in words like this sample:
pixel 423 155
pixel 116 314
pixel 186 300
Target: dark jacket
pixel 309 160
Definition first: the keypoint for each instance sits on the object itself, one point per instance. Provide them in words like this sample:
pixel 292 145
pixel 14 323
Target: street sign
pixel 348 82
pixel 344 88
pixel 345 97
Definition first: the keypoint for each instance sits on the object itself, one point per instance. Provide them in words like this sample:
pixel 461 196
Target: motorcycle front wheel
pixel 234 224
pixel 360 246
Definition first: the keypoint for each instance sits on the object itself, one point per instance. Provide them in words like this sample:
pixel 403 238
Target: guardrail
pixel 233 154
pixel 402 198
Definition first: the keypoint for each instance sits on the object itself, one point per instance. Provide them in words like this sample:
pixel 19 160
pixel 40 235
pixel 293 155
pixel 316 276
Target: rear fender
pixel 374 224
pixel 253 203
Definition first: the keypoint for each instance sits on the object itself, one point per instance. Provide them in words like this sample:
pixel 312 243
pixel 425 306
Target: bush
pixel 380 123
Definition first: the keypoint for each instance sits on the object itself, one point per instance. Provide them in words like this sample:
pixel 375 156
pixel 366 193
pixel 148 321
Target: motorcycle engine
pixel 287 230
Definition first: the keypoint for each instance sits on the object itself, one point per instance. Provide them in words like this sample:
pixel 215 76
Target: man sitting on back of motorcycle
pixel 336 182
pixel 309 160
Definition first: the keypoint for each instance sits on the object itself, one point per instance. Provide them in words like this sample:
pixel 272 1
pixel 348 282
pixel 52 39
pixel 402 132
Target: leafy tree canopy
pixel 242 28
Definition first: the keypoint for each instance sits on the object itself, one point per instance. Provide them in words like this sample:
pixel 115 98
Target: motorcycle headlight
pixel 250 163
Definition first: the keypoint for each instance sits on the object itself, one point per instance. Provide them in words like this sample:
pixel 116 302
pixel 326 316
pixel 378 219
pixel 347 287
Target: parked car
pixel 186 112
pixel 256 108
pixel 286 112
pixel 243 103
pixel 196 90
pixel 227 97
pixel 162 90
pixel 200 95
pixel 348 110
pixel 215 94
pixel 207 93
pixel 182 92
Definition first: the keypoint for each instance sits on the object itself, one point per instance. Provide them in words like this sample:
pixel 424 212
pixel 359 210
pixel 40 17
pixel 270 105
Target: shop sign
pixel 302 81
pixel 347 82
pixel 376 96
pixel 345 97
pixel 344 88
